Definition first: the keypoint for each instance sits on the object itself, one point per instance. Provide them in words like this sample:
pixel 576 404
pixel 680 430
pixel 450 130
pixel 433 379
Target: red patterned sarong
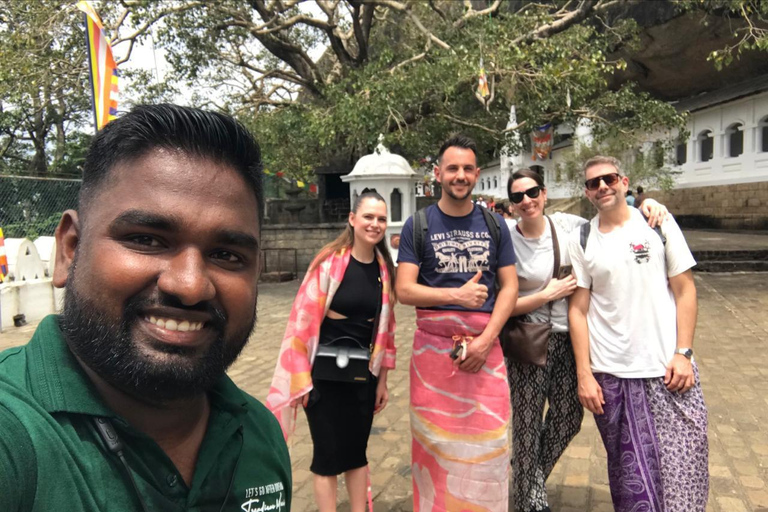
pixel 459 420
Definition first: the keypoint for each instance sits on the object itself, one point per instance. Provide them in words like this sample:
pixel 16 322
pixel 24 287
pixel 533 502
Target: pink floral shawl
pixel 292 378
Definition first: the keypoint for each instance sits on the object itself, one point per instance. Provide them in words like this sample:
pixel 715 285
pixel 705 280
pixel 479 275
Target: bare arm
pixel 478 350
pixel 590 393
pixel 556 289
pixel 471 295
pixel 679 376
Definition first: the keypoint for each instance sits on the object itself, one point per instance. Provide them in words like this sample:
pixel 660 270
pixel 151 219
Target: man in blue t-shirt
pixel 459 393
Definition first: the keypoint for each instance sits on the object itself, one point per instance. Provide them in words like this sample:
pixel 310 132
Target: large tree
pixel 408 69
pixel 44 98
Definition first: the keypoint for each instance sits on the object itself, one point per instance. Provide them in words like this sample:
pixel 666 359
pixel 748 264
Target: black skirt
pixel 340 415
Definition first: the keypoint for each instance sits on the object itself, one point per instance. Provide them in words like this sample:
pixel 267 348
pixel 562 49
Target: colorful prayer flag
pixel 300 184
pixel 3 258
pixel 482 84
pixel 541 142
pixel 102 66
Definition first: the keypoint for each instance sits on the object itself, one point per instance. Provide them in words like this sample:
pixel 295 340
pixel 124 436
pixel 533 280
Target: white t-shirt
pixel 536 261
pixel 632 317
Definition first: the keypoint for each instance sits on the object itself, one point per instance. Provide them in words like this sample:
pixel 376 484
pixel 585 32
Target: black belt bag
pixel 343 359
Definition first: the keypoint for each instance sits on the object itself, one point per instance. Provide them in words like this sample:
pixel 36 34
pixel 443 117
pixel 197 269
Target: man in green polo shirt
pixel 121 403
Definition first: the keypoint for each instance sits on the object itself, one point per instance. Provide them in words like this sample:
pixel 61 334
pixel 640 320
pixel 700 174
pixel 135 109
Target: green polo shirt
pixel 52 458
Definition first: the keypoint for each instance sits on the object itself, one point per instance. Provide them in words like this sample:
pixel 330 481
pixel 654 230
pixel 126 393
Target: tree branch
pixel 415 58
pixel 467 123
pixel 471 13
pixel 406 8
pixel 584 9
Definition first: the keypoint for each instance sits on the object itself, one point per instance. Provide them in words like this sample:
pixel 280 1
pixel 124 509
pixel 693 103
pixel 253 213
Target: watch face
pixel 687 352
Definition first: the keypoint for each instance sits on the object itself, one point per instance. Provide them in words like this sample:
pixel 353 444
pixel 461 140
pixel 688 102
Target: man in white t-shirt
pixel 632 320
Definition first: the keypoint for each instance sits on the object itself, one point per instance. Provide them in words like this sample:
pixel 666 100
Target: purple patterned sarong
pixel 656 443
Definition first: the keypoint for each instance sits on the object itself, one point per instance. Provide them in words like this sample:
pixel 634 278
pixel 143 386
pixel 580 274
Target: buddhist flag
pixel 102 65
pixel 482 84
pixel 3 258
pixel 541 142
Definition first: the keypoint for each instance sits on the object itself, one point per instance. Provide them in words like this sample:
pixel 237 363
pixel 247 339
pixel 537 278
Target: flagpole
pixel 90 76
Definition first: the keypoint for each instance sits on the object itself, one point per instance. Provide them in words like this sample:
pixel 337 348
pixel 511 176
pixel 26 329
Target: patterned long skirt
pixel 657 445
pixel 538 441
pixel 459 420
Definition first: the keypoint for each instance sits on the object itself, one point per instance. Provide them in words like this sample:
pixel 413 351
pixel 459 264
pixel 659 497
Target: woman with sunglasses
pixel 346 300
pixel 539 441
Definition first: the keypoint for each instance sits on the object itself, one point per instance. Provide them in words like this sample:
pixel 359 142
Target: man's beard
pixel 447 190
pixel 601 206
pixel 107 347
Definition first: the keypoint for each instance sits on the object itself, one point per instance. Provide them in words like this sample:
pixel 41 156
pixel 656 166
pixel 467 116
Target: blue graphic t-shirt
pixel 455 248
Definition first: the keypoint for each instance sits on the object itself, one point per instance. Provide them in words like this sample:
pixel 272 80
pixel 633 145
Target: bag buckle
pixel 342 360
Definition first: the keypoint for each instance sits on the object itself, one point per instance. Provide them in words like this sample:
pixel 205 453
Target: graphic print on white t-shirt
pixel 641 251
pixel 460 251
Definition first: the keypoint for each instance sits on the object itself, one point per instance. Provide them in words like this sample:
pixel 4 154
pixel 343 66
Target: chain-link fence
pixel 32 207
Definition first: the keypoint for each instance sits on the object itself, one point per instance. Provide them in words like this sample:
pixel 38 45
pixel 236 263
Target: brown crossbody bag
pixel 527 342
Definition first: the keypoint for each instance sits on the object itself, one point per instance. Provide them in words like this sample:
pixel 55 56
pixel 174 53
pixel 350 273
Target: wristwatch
pixel 687 352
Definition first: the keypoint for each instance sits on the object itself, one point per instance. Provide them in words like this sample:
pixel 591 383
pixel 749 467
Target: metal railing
pixel 274 258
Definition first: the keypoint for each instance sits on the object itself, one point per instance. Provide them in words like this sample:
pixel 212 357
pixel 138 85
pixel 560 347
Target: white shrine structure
pixel 393 178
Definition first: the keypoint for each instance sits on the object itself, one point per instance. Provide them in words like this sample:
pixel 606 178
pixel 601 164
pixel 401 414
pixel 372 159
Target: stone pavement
pixel 732 351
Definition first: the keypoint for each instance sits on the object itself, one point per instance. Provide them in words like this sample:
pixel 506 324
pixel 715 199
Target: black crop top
pixel 357 298
pixel 358 294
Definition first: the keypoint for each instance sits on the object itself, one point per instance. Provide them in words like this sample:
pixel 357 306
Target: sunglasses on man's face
pixel 533 193
pixel 609 179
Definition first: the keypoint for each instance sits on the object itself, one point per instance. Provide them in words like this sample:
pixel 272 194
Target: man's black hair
pixel 457 140
pixel 186 130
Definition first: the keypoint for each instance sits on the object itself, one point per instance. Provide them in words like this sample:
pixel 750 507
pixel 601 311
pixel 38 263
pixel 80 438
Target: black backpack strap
pixel 584 235
pixel 657 229
pixel 420 227
pixel 494 228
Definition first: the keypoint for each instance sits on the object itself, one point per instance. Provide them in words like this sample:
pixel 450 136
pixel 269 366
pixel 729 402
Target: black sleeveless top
pixel 357 299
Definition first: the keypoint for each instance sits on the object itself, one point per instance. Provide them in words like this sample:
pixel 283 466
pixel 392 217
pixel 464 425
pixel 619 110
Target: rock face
pixel 671 60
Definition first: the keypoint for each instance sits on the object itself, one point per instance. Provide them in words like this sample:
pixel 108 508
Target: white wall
pixel 749 167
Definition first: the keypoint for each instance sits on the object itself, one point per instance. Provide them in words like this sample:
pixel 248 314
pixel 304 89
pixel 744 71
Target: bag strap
pixel 494 228
pixel 556 268
pixel 378 316
pixel 555 247
pixel 420 227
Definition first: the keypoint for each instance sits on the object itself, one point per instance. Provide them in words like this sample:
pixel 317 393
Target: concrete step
pixel 731 255
pixel 276 277
pixel 731 266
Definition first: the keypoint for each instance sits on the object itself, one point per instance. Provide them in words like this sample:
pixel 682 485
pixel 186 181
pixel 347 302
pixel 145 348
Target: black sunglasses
pixel 533 193
pixel 608 179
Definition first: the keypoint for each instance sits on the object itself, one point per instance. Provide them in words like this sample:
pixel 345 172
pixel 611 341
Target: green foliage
pixel 749 22
pixel 44 92
pixel 33 207
pixel 417 101
pixel 648 166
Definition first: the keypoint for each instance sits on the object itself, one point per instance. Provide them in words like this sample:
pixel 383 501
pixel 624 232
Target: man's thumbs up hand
pixel 472 295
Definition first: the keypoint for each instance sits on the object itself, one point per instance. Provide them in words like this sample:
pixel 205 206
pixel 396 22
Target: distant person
pixel 634 351
pixel 122 401
pixel 639 198
pixel 480 202
pixel 630 198
pixel 345 303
